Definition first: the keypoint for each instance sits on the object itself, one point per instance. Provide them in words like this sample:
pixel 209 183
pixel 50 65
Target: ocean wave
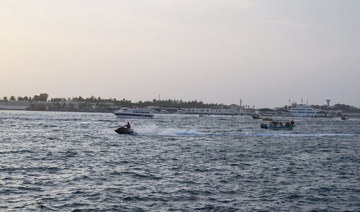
pixel 179 163
pixel 153 130
pixel 294 135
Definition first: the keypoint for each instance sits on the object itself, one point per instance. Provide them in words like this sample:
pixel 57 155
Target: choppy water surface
pixel 52 161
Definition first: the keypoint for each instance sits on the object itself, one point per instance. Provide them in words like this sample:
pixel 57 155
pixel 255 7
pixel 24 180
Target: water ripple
pixel 76 162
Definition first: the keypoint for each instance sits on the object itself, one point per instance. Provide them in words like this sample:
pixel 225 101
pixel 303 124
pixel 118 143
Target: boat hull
pixel 134 113
pixel 128 115
pixel 281 128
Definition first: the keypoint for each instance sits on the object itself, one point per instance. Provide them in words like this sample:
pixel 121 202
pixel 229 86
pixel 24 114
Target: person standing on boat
pixel 292 122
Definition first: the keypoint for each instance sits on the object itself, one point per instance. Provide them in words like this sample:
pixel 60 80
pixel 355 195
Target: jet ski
pixel 124 130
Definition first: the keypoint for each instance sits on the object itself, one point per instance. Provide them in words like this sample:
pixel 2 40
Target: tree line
pixel 44 97
pixel 342 107
pixel 41 97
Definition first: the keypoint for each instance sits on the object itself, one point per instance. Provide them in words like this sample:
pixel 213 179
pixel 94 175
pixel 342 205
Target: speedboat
pixel 272 127
pixel 255 116
pixel 134 112
pixel 124 130
pixel 275 125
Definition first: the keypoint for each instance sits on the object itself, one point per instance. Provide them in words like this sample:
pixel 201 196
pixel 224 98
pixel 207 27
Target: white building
pixel 11 105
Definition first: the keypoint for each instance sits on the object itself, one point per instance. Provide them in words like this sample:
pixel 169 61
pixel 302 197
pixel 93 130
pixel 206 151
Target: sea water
pixel 58 161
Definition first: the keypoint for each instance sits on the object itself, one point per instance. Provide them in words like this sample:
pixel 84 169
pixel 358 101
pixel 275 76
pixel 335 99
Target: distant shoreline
pixel 66 111
pixel 98 105
pixel 350 115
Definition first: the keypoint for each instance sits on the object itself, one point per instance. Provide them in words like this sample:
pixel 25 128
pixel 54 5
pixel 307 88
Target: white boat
pixel 134 112
pixel 305 111
pixel 163 111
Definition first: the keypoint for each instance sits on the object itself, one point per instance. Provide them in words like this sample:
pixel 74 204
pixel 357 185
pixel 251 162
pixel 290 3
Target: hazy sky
pixel 219 51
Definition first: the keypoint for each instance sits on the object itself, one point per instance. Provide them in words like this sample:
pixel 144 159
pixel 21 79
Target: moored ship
pixel 134 112
pixel 305 111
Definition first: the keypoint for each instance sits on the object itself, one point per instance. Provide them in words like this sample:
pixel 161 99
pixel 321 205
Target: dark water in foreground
pixel 76 162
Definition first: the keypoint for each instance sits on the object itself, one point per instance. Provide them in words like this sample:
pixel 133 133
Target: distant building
pixel 14 105
pixel 40 105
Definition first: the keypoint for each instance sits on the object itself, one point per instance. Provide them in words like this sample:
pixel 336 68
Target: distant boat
pixel 344 118
pixel 275 125
pixel 163 111
pixel 305 111
pixel 134 112
pixel 272 127
pixel 255 116
pixel 267 119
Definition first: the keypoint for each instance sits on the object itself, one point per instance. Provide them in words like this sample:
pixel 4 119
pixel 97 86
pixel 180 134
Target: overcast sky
pixel 218 51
